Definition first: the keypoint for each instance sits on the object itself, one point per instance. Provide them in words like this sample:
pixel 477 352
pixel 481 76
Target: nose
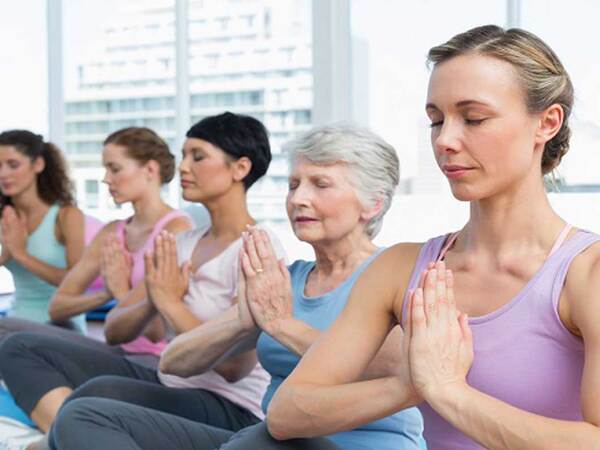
pixel 184 165
pixel 447 137
pixel 300 196
pixel 106 179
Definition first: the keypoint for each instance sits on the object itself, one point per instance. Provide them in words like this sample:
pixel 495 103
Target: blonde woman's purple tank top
pixel 524 355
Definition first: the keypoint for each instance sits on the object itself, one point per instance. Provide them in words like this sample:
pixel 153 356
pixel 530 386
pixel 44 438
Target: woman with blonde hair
pixel 503 343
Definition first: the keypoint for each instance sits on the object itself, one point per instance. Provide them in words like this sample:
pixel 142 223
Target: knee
pixel 14 346
pixel 104 386
pixel 70 420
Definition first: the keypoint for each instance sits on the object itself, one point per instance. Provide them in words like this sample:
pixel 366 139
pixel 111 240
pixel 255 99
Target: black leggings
pixel 98 424
pixel 34 364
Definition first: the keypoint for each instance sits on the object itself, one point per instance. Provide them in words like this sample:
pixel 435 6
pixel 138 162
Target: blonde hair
pixel 542 76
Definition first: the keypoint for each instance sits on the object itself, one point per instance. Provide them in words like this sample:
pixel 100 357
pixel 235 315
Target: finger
pixel 429 293
pixel 241 278
pixel 252 253
pixel 170 261
pixel 185 271
pixel 453 313
pixel 246 265
pixel 418 317
pixel 264 249
pixel 285 272
pixel 149 265
pixel 407 326
pixel 421 283
pixel 442 309
pixel 158 254
pixel 465 328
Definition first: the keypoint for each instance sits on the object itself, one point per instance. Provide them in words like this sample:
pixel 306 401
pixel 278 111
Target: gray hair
pixel 373 163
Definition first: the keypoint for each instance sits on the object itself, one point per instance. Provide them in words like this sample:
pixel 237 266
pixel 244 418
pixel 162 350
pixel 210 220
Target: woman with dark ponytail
pixel 42 231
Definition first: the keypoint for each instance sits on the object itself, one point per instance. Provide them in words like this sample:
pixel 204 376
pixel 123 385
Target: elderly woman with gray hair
pixel 342 180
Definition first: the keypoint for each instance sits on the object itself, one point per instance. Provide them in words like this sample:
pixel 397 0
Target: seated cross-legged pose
pixel 341 185
pixel 189 281
pixel 519 367
pixel 137 163
pixel 42 231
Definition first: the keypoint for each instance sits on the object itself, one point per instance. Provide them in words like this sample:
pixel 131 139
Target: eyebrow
pixel 460 104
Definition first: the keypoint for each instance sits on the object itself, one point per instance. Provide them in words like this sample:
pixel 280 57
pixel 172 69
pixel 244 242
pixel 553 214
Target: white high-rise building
pixel 246 56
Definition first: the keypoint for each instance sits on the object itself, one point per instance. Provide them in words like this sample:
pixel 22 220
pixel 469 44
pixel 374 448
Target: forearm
pixel 50 274
pixel 295 335
pixel 178 316
pixel 498 425
pixel 303 410
pixel 64 306
pixel 207 346
pixel 124 323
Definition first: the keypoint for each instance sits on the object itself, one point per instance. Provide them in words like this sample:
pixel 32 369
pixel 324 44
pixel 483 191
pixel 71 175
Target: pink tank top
pixel 524 355
pixel 142 344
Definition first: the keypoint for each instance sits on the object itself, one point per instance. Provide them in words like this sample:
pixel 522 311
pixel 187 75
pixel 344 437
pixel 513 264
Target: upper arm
pixel 87 268
pixel 178 224
pixel 350 344
pixel 583 291
pixel 71 224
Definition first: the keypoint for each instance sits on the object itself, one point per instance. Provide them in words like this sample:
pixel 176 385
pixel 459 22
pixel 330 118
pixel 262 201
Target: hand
pixel 268 285
pixel 115 267
pixel 247 322
pixel 14 233
pixel 166 282
pixel 441 343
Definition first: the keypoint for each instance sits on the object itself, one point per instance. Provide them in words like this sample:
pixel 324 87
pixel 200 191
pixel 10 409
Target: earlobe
pixel 368 214
pixel 242 168
pixel 551 121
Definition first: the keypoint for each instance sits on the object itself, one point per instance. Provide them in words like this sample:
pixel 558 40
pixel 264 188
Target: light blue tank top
pixel 400 431
pixel 32 294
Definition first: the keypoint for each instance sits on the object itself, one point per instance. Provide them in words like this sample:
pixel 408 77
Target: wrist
pixel 446 394
pixel 19 255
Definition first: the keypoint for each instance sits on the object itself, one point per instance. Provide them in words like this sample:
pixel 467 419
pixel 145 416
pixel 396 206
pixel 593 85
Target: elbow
pixel 111 336
pixel 280 425
pixel 168 365
pixel 278 429
pixel 56 313
pixel 231 374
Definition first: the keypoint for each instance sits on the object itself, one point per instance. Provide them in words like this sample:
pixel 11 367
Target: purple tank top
pixel 142 344
pixel 524 355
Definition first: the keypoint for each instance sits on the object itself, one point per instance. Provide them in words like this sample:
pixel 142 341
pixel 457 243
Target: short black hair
pixel 238 136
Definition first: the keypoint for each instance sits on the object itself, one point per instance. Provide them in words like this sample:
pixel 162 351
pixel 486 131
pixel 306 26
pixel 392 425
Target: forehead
pixel 11 152
pixel 476 77
pixel 200 144
pixel 304 167
pixel 115 153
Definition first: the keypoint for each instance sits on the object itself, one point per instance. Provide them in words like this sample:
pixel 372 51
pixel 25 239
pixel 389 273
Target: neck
pixel 229 214
pixel 28 202
pixel 343 255
pixel 520 220
pixel 149 208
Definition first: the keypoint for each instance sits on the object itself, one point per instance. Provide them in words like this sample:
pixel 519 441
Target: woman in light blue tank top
pixel 41 228
pixel 341 185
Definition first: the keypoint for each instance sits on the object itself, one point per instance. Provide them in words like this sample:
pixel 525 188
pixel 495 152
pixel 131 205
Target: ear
pixel 39 164
pixel 241 168
pixel 152 169
pixel 371 212
pixel 550 122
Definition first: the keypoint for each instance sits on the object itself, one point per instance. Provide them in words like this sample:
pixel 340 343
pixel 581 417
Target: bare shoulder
pixel 582 289
pixel 178 224
pixel 70 215
pixel 387 277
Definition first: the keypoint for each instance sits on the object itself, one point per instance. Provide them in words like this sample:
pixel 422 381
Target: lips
pixel 454 171
pixel 304 219
pixel 185 183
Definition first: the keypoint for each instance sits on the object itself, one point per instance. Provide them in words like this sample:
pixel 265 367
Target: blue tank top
pixel 32 294
pixel 399 431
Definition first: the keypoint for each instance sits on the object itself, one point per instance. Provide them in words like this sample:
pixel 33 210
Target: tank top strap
pixel 163 221
pixel 120 231
pixel 46 226
pixel 560 239
pixel 564 256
